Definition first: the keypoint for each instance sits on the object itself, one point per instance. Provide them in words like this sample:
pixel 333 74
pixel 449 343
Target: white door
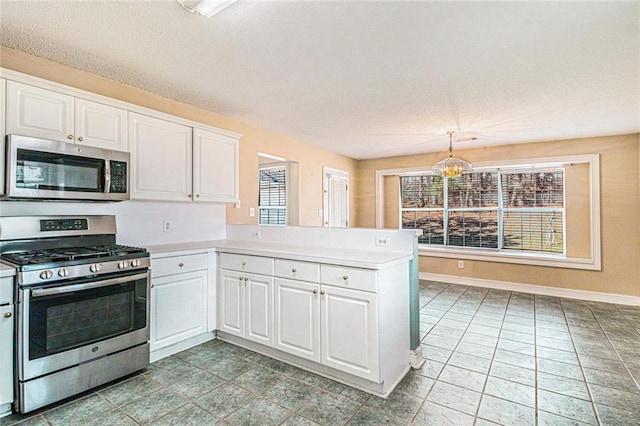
pixel 231 297
pixel 259 309
pixel 101 126
pixel 215 167
pixel 6 354
pixel 32 111
pixel 336 198
pixel 350 331
pixel 297 318
pixel 178 308
pixel 161 158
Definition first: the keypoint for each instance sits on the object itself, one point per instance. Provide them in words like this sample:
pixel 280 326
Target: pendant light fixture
pixel 451 166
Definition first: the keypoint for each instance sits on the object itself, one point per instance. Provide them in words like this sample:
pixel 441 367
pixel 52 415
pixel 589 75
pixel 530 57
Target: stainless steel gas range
pixel 82 305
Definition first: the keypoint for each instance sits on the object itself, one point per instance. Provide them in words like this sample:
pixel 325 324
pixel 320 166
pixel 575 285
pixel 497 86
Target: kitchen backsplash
pixel 139 223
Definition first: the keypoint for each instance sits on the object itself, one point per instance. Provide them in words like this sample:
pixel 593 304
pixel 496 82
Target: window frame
pixel 593 262
pixel 279 165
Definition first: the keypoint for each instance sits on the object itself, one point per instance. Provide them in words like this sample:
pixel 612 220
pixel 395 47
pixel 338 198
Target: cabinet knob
pixel 315 291
pixel 70 137
pixel 293 270
pixel 80 138
pixel 246 278
pixel 321 291
pixel 244 263
pixel 181 264
pixel 345 277
pixel 189 195
pixel 151 285
pixel 8 314
pixel 197 195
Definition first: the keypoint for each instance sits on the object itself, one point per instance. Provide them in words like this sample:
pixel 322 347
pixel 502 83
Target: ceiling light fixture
pixel 451 166
pixel 206 8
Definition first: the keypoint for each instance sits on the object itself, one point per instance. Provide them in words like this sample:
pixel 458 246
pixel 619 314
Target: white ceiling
pixel 365 79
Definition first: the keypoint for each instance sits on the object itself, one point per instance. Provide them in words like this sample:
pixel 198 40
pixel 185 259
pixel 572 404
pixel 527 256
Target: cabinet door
pixel 6 354
pixel 259 309
pixel 215 167
pixel 161 157
pixel 101 126
pixel 231 302
pixel 350 331
pixel 32 111
pixel 297 318
pixel 178 308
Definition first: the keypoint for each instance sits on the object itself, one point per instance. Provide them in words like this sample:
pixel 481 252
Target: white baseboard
pixel 593 296
pixel 157 354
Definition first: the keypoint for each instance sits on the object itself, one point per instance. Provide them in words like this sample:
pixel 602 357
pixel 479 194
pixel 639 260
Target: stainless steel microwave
pixel 39 169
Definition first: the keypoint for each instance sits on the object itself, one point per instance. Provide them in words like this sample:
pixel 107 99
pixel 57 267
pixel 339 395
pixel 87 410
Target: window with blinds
pixel 489 209
pixel 272 196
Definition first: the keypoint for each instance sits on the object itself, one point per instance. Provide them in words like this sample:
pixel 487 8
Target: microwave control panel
pixel 118 177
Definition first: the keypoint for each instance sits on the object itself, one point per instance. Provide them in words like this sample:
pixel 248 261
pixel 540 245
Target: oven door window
pixel 61 322
pixel 59 172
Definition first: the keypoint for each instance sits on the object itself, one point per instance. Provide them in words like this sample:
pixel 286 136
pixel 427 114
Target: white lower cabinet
pixel 328 314
pixel 179 299
pixel 297 318
pixel 349 324
pixel 6 344
pixel 246 308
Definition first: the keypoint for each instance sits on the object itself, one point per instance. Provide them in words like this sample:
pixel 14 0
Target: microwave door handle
pixel 41 292
pixel 107 176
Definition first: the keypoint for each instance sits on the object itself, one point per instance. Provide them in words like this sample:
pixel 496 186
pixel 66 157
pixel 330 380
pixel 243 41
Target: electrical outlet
pixel 383 241
pixel 237 205
pixel 252 211
pixel 166 226
pixel 255 235
pixel 461 264
pixel 320 213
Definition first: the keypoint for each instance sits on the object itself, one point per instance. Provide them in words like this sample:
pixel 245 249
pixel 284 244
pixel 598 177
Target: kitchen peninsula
pixel 331 301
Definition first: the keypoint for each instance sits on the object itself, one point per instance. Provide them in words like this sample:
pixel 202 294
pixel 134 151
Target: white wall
pixel 139 222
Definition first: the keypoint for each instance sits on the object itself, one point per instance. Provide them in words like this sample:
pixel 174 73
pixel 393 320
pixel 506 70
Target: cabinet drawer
pixel 303 271
pixel 244 263
pixel 346 277
pixel 178 264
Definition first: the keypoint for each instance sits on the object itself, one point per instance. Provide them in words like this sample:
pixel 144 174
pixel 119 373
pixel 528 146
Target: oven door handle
pixel 40 292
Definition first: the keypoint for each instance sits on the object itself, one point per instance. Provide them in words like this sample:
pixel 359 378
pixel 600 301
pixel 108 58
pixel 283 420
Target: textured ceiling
pixel 364 79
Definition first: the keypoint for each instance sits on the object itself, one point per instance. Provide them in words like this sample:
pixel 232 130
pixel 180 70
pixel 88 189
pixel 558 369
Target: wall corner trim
pixel 593 296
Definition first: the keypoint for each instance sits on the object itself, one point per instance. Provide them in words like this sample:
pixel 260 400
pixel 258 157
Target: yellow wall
pixel 254 139
pixel 620 214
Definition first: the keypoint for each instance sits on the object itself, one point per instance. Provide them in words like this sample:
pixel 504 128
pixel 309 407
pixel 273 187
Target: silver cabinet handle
pixel 321 291
pixel 70 137
pixel 345 277
pixel 315 291
pixel 8 314
pixel 244 263
pixel 293 270
pixel 181 264
pixel 80 139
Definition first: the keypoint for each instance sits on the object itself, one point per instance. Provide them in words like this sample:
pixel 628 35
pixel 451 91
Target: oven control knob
pixel 135 263
pixel 63 272
pixel 96 267
pixel 122 265
pixel 45 275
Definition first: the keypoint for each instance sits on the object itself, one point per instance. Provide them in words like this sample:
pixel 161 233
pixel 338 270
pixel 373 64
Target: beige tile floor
pixel 492 357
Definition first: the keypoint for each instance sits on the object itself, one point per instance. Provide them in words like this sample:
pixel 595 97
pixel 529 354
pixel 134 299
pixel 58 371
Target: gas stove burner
pixel 37 257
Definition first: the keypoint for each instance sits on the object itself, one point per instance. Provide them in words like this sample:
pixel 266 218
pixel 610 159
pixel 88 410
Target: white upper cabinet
pixel 32 111
pixel 101 126
pixel 215 166
pixel 37 112
pixel 2 130
pixel 161 159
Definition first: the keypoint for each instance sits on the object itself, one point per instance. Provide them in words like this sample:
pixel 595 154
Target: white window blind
pixel 272 197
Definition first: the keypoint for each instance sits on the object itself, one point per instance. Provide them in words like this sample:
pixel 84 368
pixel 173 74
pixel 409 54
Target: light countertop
pixel 6 270
pixel 369 259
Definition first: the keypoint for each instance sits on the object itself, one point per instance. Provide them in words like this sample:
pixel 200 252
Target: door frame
pixel 326 173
